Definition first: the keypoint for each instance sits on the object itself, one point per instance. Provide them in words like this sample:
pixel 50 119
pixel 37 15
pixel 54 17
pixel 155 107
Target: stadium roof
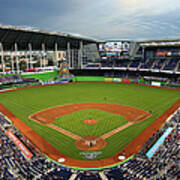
pixel 118 40
pixel 9 35
pixel 160 43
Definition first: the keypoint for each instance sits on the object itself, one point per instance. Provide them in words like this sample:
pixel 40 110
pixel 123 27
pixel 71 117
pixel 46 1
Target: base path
pixel 70 134
pixel 114 131
pixel 133 147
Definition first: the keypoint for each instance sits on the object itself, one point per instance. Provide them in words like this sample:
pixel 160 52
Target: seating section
pixel 10 79
pixel 163 165
pixel 15 79
pixel 171 65
pixel 57 172
pixel 178 69
pixel 117 74
pixel 159 64
pixel 135 64
pixel 93 66
pixel 107 64
pixel 148 64
pixel 175 81
pixel 28 79
pixel 13 164
pixel 88 176
pixel 122 64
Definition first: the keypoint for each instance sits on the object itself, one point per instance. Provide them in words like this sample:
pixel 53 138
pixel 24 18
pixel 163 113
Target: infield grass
pixel 106 122
pixel 26 102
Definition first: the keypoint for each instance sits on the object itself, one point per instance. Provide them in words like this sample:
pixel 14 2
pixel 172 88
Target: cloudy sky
pixel 102 19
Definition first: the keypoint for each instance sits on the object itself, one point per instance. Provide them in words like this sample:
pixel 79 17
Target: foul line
pixel 59 129
pixel 114 131
pixel 70 134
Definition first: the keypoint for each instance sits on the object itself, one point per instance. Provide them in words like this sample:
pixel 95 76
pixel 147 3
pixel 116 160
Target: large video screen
pixel 114 49
pixel 114 46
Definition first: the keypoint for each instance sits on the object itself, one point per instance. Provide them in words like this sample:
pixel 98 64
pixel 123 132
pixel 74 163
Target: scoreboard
pixel 114 49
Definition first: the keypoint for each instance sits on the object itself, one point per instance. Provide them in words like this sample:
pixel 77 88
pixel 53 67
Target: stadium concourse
pixel 163 164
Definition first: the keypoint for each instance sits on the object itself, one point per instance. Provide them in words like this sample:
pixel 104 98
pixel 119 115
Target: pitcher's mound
pixel 90 121
pixel 90 143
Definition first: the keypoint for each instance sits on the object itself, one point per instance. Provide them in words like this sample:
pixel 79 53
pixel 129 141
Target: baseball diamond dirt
pixel 48 116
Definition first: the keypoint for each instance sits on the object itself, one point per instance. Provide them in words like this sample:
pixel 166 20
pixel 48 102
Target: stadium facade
pixel 86 53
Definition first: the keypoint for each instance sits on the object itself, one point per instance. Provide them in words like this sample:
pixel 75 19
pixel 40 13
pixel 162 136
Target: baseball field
pixel 88 117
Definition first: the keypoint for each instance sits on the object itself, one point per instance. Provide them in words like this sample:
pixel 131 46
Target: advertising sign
pixel 154 83
pixel 161 53
pixel 161 140
pixel 117 79
pixel 125 80
pixel 108 79
pixel 21 146
pixel 169 53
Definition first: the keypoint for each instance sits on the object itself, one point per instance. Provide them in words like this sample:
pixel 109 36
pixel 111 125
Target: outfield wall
pixel 80 79
pixel 51 76
pixel 95 79
pixel 123 80
pixel 88 78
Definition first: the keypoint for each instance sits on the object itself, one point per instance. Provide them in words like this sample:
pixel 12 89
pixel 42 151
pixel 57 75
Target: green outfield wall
pixel 123 80
pixel 88 78
pixel 96 78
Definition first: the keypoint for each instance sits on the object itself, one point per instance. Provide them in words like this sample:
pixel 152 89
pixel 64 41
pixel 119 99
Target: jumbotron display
pixel 120 48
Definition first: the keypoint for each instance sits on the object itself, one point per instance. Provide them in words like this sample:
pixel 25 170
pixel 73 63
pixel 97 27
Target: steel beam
pixel 2 59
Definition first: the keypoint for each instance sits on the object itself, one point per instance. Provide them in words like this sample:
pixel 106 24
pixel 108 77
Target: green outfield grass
pixel 105 122
pixel 26 102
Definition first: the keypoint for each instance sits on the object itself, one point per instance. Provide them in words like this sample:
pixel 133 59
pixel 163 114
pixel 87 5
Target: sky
pixel 101 19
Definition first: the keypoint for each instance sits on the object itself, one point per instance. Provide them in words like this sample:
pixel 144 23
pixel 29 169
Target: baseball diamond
pixel 48 116
pixel 65 123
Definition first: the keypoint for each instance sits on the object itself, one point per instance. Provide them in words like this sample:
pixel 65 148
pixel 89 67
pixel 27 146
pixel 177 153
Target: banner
pixel 117 79
pixel 154 83
pixel 108 79
pixel 21 146
pixel 161 53
pixel 160 141
pixel 125 80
